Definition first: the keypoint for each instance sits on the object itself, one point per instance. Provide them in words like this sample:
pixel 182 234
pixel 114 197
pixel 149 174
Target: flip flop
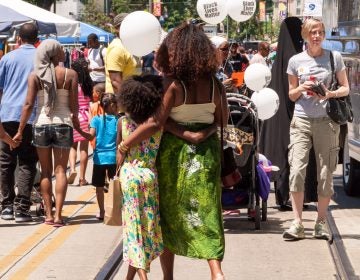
pixel 49 222
pixel 60 223
pixel 72 177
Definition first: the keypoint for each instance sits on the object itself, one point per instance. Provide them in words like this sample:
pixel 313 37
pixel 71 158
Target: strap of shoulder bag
pixel 333 77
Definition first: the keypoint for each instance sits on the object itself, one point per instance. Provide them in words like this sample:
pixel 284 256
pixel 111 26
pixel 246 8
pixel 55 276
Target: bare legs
pixel 297 202
pixel 132 271
pixel 100 200
pixel 167 265
pixel 323 204
pixel 61 157
pixel 84 145
pixel 215 269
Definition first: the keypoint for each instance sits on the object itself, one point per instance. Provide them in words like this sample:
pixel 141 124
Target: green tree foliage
pixel 94 15
pixel 45 4
pixel 174 12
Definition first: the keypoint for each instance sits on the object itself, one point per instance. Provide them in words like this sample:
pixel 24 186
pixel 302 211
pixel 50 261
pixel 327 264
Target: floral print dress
pixel 142 238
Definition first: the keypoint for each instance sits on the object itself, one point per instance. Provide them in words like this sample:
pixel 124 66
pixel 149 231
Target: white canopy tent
pixel 14 12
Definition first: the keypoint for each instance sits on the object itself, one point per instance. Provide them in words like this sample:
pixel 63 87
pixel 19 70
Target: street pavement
pixel 79 250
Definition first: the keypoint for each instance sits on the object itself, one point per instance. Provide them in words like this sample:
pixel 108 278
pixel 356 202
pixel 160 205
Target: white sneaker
pixel 296 231
pixel 321 231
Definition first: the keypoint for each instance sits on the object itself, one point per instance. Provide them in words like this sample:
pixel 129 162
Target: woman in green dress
pixel 189 157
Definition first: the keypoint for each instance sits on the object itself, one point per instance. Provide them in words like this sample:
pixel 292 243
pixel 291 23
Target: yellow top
pixel 120 60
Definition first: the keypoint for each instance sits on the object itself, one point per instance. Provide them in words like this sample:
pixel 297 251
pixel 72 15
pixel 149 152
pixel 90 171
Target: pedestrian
pixel 119 63
pixel 140 97
pixel 189 156
pixel 262 54
pixel 84 97
pixel 311 126
pixel 95 108
pixel 104 128
pixel 15 67
pixel 275 137
pixel 225 68
pixel 96 58
pixel 147 63
pixel 54 89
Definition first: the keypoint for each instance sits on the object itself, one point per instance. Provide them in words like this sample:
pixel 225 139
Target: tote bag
pixel 113 203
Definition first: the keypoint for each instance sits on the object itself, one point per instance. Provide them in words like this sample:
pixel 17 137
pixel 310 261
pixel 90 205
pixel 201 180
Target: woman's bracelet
pixel 123 148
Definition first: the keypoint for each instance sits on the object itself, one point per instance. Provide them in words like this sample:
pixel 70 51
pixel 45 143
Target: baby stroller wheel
pixel 257 217
pixel 39 210
pixel 264 211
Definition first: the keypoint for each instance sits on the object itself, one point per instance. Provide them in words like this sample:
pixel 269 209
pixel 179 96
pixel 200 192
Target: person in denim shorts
pixel 55 89
pixel 311 127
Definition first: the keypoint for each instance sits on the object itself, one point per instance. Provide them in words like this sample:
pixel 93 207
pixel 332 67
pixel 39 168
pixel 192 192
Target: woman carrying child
pixel 140 97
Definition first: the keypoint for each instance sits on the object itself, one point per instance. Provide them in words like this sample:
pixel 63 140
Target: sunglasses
pixel 224 49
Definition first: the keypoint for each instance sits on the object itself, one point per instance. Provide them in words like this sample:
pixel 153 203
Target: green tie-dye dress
pixel 190 196
pixel 142 239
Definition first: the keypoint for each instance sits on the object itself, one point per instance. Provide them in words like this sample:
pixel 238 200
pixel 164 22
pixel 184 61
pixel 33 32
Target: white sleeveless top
pixel 60 114
pixel 194 113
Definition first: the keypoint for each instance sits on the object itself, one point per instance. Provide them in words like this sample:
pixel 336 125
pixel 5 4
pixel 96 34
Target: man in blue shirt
pixel 15 68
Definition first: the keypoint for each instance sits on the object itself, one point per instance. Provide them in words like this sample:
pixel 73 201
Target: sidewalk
pixel 78 250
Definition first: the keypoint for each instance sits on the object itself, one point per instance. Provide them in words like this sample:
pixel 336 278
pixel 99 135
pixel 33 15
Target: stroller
pixel 241 136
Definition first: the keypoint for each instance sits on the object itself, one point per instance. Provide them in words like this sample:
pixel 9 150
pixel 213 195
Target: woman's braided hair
pixel 81 68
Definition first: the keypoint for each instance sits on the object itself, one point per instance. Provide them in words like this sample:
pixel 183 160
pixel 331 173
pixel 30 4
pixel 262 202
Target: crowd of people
pixel 157 131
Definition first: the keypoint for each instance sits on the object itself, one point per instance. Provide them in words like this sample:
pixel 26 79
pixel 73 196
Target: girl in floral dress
pixel 140 98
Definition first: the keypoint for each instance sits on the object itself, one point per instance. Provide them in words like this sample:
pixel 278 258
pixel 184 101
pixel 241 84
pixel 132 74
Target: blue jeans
pixel 25 157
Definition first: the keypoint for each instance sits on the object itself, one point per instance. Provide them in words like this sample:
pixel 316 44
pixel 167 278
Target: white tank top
pixel 60 114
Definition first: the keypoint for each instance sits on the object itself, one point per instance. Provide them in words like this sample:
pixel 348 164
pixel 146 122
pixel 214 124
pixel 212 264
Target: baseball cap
pixel 118 19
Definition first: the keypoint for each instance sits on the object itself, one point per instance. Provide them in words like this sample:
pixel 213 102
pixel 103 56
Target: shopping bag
pixel 113 203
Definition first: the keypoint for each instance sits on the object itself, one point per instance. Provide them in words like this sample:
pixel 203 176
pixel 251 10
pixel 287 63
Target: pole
pixel 150 6
pixel 227 27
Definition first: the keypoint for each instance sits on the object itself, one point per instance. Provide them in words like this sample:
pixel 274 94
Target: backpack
pixel 101 55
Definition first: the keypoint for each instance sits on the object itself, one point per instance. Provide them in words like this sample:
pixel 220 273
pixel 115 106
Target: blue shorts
pixel 53 135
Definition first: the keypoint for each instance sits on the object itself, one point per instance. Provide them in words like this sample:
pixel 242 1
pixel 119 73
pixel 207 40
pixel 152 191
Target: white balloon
pixel 257 76
pixel 211 11
pixel 140 33
pixel 241 10
pixel 267 103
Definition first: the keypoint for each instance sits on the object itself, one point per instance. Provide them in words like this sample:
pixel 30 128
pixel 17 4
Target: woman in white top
pixel 311 127
pixel 55 90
